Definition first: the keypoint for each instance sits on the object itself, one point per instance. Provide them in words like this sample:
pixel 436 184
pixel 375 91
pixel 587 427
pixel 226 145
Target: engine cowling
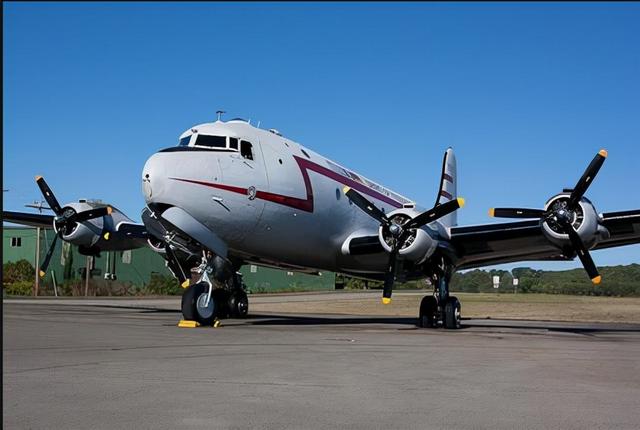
pixel 418 246
pixel 84 234
pixel 584 219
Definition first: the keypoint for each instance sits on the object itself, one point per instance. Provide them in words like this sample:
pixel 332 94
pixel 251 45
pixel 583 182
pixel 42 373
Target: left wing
pixel 490 244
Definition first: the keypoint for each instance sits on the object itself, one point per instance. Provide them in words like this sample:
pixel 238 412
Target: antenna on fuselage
pixel 220 113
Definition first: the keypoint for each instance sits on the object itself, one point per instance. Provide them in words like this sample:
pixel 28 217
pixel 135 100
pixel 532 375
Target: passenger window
pixel 245 150
pixel 233 143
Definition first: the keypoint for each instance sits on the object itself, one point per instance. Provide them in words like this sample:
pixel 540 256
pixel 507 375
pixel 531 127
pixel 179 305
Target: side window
pixel 246 150
pixel 185 141
pixel 233 143
pixel 16 242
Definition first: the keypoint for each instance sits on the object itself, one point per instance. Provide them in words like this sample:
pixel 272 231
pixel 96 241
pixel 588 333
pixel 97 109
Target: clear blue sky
pixel 525 93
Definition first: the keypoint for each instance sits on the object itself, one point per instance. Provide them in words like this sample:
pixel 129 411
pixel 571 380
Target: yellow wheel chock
pixel 188 324
pixel 194 324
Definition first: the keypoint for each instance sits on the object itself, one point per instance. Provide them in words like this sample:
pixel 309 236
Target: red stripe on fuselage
pixel 295 202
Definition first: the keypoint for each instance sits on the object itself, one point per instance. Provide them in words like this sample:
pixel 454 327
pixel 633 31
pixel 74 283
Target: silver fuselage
pixel 284 207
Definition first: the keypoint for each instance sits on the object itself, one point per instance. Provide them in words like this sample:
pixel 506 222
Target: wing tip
pixel 604 153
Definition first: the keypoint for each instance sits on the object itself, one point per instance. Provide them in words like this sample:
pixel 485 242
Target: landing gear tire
pixel 193 304
pixel 238 304
pixel 451 317
pixel 427 317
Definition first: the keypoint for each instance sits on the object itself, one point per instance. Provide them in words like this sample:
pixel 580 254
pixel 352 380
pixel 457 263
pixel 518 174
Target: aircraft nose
pixel 153 177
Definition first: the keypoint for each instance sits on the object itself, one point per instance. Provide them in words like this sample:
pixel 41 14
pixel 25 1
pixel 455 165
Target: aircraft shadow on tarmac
pixel 467 323
pixel 275 320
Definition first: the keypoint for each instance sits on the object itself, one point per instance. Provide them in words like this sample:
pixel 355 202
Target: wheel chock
pixel 217 323
pixel 188 324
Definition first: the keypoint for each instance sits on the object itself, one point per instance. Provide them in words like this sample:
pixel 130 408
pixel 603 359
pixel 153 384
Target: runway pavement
pixel 124 364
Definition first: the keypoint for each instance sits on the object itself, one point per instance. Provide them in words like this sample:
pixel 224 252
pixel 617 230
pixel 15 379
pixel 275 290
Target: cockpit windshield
pixel 211 141
pixel 217 143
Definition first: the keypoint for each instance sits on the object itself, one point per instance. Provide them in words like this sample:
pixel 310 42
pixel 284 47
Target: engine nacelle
pixel 84 234
pixel 419 246
pixel 87 234
pixel 585 222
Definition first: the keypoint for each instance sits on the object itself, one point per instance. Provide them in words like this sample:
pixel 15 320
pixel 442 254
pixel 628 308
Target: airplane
pixel 231 194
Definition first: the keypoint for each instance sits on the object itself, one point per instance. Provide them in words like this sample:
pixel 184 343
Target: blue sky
pixel 526 94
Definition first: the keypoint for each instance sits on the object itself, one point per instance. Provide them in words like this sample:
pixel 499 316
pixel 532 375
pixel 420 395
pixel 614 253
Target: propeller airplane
pixel 231 194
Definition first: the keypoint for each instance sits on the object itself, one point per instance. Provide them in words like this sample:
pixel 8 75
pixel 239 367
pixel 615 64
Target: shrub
pixel 20 288
pixel 20 270
pixel 162 285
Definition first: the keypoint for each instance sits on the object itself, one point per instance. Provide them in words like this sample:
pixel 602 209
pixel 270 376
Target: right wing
pixel 124 235
pixel 34 220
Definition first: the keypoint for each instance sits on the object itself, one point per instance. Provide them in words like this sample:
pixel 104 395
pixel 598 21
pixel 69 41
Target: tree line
pixel 616 281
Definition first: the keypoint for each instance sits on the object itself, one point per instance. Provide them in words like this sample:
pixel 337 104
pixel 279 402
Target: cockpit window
pixel 185 141
pixel 233 143
pixel 211 141
pixel 245 150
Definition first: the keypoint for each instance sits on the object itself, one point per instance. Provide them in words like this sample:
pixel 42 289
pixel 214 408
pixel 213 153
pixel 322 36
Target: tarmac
pixel 111 363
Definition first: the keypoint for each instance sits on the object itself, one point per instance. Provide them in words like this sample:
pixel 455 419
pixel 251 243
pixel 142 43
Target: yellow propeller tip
pixel 346 189
pixel 185 284
pixel 597 280
pixel 38 178
pixel 460 201
pixel 492 212
pixel 603 152
pixel 106 236
pixel 386 300
pixel 42 274
pixel 109 210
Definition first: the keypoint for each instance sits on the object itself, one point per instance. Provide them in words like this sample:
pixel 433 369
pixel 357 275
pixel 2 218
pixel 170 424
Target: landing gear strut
pixel 204 302
pixel 440 306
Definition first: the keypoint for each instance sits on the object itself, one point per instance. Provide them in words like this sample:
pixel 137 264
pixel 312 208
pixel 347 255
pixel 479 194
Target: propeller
pixel 562 214
pixel 399 233
pixel 66 219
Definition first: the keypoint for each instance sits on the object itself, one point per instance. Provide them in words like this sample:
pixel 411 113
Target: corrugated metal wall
pixel 136 266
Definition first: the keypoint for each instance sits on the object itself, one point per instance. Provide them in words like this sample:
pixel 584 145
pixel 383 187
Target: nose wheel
pixel 205 304
pixel 196 307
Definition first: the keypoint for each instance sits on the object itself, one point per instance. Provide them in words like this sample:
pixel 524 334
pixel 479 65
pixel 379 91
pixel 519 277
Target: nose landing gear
pixel 205 303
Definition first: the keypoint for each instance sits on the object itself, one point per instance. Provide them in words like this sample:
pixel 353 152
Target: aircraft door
pixel 244 173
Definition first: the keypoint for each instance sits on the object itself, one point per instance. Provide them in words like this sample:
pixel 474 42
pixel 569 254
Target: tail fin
pixel 448 186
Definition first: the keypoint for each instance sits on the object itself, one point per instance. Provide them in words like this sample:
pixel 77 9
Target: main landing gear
pixel 204 303
pixel 440 307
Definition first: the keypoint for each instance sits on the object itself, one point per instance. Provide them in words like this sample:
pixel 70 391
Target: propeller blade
pixel 364 204
pixel 583 254
pixel 47 258
pixel 516 213
pixel 390 276
pixel 587 178
pixel 90 214
pixel 434 213
pixel 48 195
